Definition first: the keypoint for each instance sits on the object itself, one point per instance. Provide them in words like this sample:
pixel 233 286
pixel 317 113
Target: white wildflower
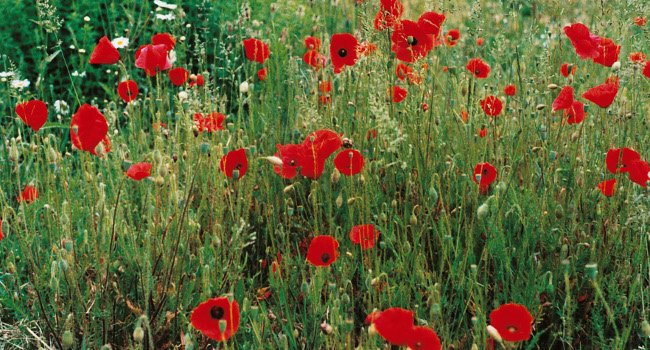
pixel 120 42
pixel 19 84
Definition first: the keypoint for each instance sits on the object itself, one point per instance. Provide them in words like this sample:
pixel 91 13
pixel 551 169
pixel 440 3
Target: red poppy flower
pixel 314 59
pixel 492 106
pixel 607 52
pixel 291 156
pixel 317 147
pixel 513 322
pixel 395 325
pixel 164 39
pixel 256 50
pixel 178 76
pixel 312 43
pixel 410 42
pixel 262 74
pixel 484 175
pixel 640 21
pixel 1 234
pixel 565 70
pixel 607 187
pixel 139 171
pixel 431 22
pixel 33 113
pixel 603 95
pixel 402 71
pixel 564 99
pixel 398 94
pixel 478 68
pixel 576 113
pixel 28 195
pixel 343 51
pixel 425 107
pixel 480 41
pixel 216 318
pixel 639 172
pixel 325 86
pixel 510 90
pixel 209 123
pixel 364 235
pixel 424 338
pixel 199 80
pixel 646 69
pixel 104 52
pixel 322 143
pixel 323 250
pixel 349 162
pixel 452 37
pixel 482 132
pixel 618 160
pixel 389 14
pixel 584 43
pixel 637 57
pixel 88 129
pixel 234 160
pixel 366 48
pixel 152 58
pixel 324 100
pixel 128 90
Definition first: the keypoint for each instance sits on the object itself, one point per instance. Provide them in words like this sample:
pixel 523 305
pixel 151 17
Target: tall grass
pixel 98 255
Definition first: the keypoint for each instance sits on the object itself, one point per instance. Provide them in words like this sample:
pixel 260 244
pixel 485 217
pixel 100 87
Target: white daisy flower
pixel 120 42
pixel 165 5
pixel 6 74
pixel 19 84
pixel 61 107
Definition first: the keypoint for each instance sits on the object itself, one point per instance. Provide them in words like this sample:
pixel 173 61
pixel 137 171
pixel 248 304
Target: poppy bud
pixel 483 211
pixel 339 201
pixel 552 86
pixel 336 175
pixel 645 328
pixel 138 334
pixel 383 217
pixel 352 200
pixel 372 331
pixel 67 340
pixel 243 87
pixel 494 333
pixel 616 66
pixel 414 219
pixel 474 346
pixel 14 154
pixel 288 189
pixel 540 106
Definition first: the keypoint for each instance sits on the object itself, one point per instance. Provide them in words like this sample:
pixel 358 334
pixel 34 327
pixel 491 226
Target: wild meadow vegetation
pixel 325 174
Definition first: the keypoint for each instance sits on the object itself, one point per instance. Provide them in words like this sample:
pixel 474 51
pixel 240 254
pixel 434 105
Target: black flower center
pixel 292 162
pixel 485 171
pixel 412 40
pixel 238 166
pixel 216 312
pixel 343 52
pixel 325 258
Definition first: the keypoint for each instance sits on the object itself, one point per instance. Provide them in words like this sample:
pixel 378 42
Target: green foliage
pixel 99 255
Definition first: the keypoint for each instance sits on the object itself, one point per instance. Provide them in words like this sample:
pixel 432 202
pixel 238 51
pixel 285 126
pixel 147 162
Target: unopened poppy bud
pixel 138 334
pixel 326 328
pixel 483 211
pixel 474 346
pixel 339 201
pixel 494 334
pixel 616 66
pixel 336 175
pixel 645 328
pixel 413 220
pixel 193 77
pixel 288 189
pixel 540 106
pixel 243 87
pixel 67 340
pixel 372 331
pixel 273 160
pixel 14 154
pixel 552 86
pixel 352 200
